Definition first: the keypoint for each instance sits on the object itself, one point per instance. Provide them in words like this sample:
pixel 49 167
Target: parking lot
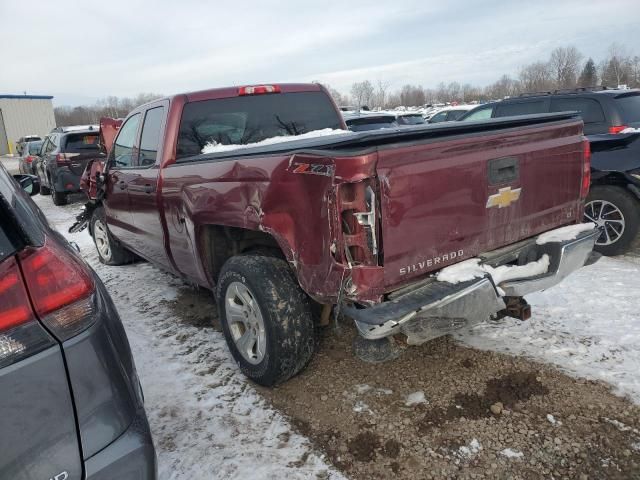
pixel 550 397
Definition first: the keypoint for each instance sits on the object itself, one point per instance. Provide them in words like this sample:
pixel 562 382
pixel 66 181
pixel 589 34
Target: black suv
pixel 614 197
pixel 64 154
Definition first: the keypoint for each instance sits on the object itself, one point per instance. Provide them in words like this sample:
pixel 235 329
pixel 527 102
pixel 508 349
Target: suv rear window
pixel 410 120
pixel 250 119
pixel 34 148
pixel 80 142
pixel 590 110
pixel 524 108
pixel 629 108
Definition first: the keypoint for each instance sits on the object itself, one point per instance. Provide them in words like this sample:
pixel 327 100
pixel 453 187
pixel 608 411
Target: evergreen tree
pixel 589 75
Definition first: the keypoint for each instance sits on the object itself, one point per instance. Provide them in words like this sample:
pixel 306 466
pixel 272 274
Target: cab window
pixel 123 145
pixel 150 136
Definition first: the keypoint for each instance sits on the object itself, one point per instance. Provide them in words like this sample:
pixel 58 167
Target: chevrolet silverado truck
pixel 260 194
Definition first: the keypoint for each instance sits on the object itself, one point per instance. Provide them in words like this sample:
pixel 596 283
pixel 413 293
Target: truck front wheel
pixel 617 213
pixel 110 251
pixel 266 318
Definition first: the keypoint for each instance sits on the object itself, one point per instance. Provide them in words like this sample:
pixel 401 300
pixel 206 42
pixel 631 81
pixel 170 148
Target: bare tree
pixel 412 96
pixel 381 93
pixel 615 69
pixel 536 77
pixel 111 106
pixel 564 64
pixel 362 93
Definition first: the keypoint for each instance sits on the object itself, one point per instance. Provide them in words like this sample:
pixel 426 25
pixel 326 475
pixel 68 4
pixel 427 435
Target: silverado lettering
pixel 430 262
pixel 277 228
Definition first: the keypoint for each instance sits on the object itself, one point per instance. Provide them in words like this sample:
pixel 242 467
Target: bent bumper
pixel 438 308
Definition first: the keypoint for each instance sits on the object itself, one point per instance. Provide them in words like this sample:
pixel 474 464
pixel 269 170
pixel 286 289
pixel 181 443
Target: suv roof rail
pixel 559 91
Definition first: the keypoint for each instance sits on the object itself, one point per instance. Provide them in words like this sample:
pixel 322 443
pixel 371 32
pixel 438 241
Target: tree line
pixel 112 106
pixel 566 68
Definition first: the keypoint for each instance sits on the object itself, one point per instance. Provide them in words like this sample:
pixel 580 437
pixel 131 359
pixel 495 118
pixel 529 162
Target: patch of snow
pixel 468 451
pixel 551 419
pixel 635 446
pixel 510 453
pixel 207 421
pixel 621 426
pixel 415 398
pixel 361 407
pixel 462 272
pixel 631 130
pixel 564 234
pixel 587 325
pixel 470 269
pixel 505 273
pixel 219 147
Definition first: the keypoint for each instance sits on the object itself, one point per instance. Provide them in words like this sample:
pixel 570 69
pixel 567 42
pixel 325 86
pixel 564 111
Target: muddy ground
pixel 476 414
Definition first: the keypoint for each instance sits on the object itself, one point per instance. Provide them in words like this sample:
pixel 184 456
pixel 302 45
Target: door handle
pixel 122 184
pixel 148 188
pixel 503 170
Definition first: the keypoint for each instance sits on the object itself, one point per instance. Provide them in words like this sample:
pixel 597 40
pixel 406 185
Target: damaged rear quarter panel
pixel 290 197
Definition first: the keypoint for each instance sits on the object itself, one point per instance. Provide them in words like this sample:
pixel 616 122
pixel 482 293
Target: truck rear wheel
pixel 266 318
pixel 110 251
pixel 59 198
pixel 617 213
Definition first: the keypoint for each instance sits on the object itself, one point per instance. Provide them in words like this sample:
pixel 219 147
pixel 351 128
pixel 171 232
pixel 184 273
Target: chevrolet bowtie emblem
pixel 503 198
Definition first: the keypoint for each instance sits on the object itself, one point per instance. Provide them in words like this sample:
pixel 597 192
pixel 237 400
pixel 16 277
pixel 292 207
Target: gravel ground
pixel 474 414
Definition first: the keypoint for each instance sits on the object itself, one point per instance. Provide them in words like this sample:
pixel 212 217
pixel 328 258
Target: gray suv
pixel 71 406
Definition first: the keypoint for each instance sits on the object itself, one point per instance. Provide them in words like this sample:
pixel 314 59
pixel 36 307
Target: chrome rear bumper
pixel 438 308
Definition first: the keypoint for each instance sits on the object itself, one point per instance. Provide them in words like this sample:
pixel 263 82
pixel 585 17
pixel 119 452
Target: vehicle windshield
pixel 410 120
pixel 34 147
pixel 250 119
pixel 629 108
pixel 81 142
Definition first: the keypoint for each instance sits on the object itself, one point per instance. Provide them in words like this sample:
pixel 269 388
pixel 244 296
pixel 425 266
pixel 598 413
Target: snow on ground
pixel 588 325
pixel 207 421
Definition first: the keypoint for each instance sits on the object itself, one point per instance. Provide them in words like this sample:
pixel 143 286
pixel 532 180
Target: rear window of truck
pixel 250 119
pixel 80 142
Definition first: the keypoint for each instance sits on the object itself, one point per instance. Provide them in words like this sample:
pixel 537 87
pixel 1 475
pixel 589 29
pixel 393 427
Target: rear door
pixel 38 438
pixel 120 171
pixel 446 200
pixel 148 235
pixel 79 148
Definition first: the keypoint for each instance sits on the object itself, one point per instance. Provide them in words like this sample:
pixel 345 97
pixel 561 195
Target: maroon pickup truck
pixel 259 194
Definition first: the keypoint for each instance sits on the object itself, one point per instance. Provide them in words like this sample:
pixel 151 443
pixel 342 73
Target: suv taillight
pixel 20 333
pixel 586 168
pixel 60 287
pixel 617 128
pixel 29 159
pixel 62 159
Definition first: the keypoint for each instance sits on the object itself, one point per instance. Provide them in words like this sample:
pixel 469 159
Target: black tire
pixel 286 314
pixel 115 253
pixel 44 190
pixel 59 198
pixel 628 207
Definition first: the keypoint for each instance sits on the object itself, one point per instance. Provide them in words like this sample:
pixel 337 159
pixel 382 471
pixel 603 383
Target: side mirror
pixel 28 183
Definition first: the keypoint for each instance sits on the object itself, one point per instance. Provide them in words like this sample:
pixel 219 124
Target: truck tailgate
pixel 452 198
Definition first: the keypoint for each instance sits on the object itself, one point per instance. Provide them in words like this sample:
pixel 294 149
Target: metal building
pixel 22 115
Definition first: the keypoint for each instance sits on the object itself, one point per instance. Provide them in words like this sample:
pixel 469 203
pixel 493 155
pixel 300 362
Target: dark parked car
pixel 22 140
pixel 64 155
pixel 450 114
pixel 614 198
pixel 29 156
pixel 364 121
pixel 70 400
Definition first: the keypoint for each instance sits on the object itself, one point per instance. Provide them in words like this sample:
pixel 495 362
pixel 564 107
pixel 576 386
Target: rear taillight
pixel 586 168
pixel 62 159
pixel 15 308
pixel 20 333
pixel 617 128
pixel 258 89
pixel 358 210
pixel 29 159
pixel 60 287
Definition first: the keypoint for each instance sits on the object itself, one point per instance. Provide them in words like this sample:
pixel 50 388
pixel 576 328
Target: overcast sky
pixel 84 50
